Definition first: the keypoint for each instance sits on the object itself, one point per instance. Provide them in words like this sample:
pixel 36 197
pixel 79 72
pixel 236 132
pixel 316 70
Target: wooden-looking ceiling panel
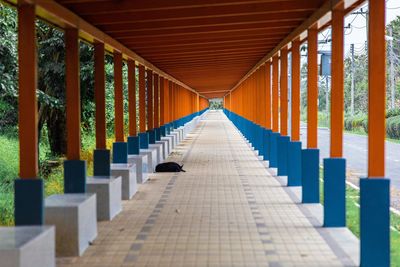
pixel 207 44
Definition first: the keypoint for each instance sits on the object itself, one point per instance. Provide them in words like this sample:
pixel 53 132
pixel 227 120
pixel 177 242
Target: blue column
pixel 335 192
pixel 101 162
pixel 375 222
pixel 144 140
pixel 74 176
pixel 152 136
pixel 163 131
pixel 158 133
pixel 28 202
pixel 266 142
pixel 273 156
pixel 310 175
pixel 133 145
pixel 283 143
pixel 120 152
pixel 294 163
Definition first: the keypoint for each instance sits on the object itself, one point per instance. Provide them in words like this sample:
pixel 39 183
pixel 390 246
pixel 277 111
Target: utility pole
pixel 391 73
pixel 352 80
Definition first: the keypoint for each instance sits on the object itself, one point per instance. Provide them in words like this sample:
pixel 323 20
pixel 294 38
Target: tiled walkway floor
pixel 226 210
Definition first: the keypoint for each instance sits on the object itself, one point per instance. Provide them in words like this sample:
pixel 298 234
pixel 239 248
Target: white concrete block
pixel 108 193
pixel 74 216
pixel 170 140
pixel 151 154
pixel 128 175
pixel 175 135
pixel 165 148
pixel 27 246
pixel 141 163
pixel 160 151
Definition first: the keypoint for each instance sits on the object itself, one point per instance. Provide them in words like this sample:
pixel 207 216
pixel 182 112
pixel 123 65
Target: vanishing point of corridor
pixel 226 210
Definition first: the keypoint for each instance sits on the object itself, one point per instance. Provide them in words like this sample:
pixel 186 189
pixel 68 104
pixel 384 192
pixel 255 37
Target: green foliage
pixel 216 104
pixel 392 112
pixel 357 122
pixel 393 127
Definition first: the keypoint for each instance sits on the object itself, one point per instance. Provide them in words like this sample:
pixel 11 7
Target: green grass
pixel 50 169
pixel 353 220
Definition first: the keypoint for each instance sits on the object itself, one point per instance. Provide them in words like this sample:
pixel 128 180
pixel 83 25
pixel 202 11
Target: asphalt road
pixel 355 152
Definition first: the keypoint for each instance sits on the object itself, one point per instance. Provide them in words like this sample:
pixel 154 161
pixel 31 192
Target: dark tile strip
pixel 264 235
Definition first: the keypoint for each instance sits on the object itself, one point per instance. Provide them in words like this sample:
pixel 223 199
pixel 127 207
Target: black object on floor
pixel 169 167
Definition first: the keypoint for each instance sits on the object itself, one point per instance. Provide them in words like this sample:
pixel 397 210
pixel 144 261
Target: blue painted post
pixel 294 163
pixel 266 142
pixel 74 176
pixel 158 134
pixel 310 175
pixel 120 152
pixel 152 136
pixel 283 143
pixel 133 145
pixel 29 202
pixel 375 222
pixel 335 192
pixel 273 156
pixel 144 140
pixel 101 162
pixel 163 131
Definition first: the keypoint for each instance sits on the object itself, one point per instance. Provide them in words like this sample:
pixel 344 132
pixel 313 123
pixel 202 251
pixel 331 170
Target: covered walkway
pixel 226 210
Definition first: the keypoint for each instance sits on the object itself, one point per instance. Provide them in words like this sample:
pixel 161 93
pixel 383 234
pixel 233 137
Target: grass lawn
pixel 51 174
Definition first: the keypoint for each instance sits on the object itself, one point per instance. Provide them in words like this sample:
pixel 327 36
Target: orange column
pixel 27 82
pixel 100 95
pixel 162 101
pixel 156 102
pixel 171 102
pixel 118 98
pixel 337 91
pixel 142 99
pixel 376 89
pixel 132 97
pixel 312 89
pixel 72 89
pixel 284 92
pixel 295 91
pixel 275 95
pixel 150 114
pixel 268 94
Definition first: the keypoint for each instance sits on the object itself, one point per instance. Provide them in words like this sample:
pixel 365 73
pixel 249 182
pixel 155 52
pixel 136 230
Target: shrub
pixel 393 127
pixel 393 112
pixel 356 122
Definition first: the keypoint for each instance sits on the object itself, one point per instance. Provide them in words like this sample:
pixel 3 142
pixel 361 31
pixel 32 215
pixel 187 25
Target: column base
pixel 144 140
pixel 101 162
pixel 335 192
pixel 273 157
pixel 375 222
pixel 152 136
pixel 28 202
pixel 283 144
pixel 133 145
pixel 294 164
pixel 74 176
pixel 310 175
pixel 120 152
